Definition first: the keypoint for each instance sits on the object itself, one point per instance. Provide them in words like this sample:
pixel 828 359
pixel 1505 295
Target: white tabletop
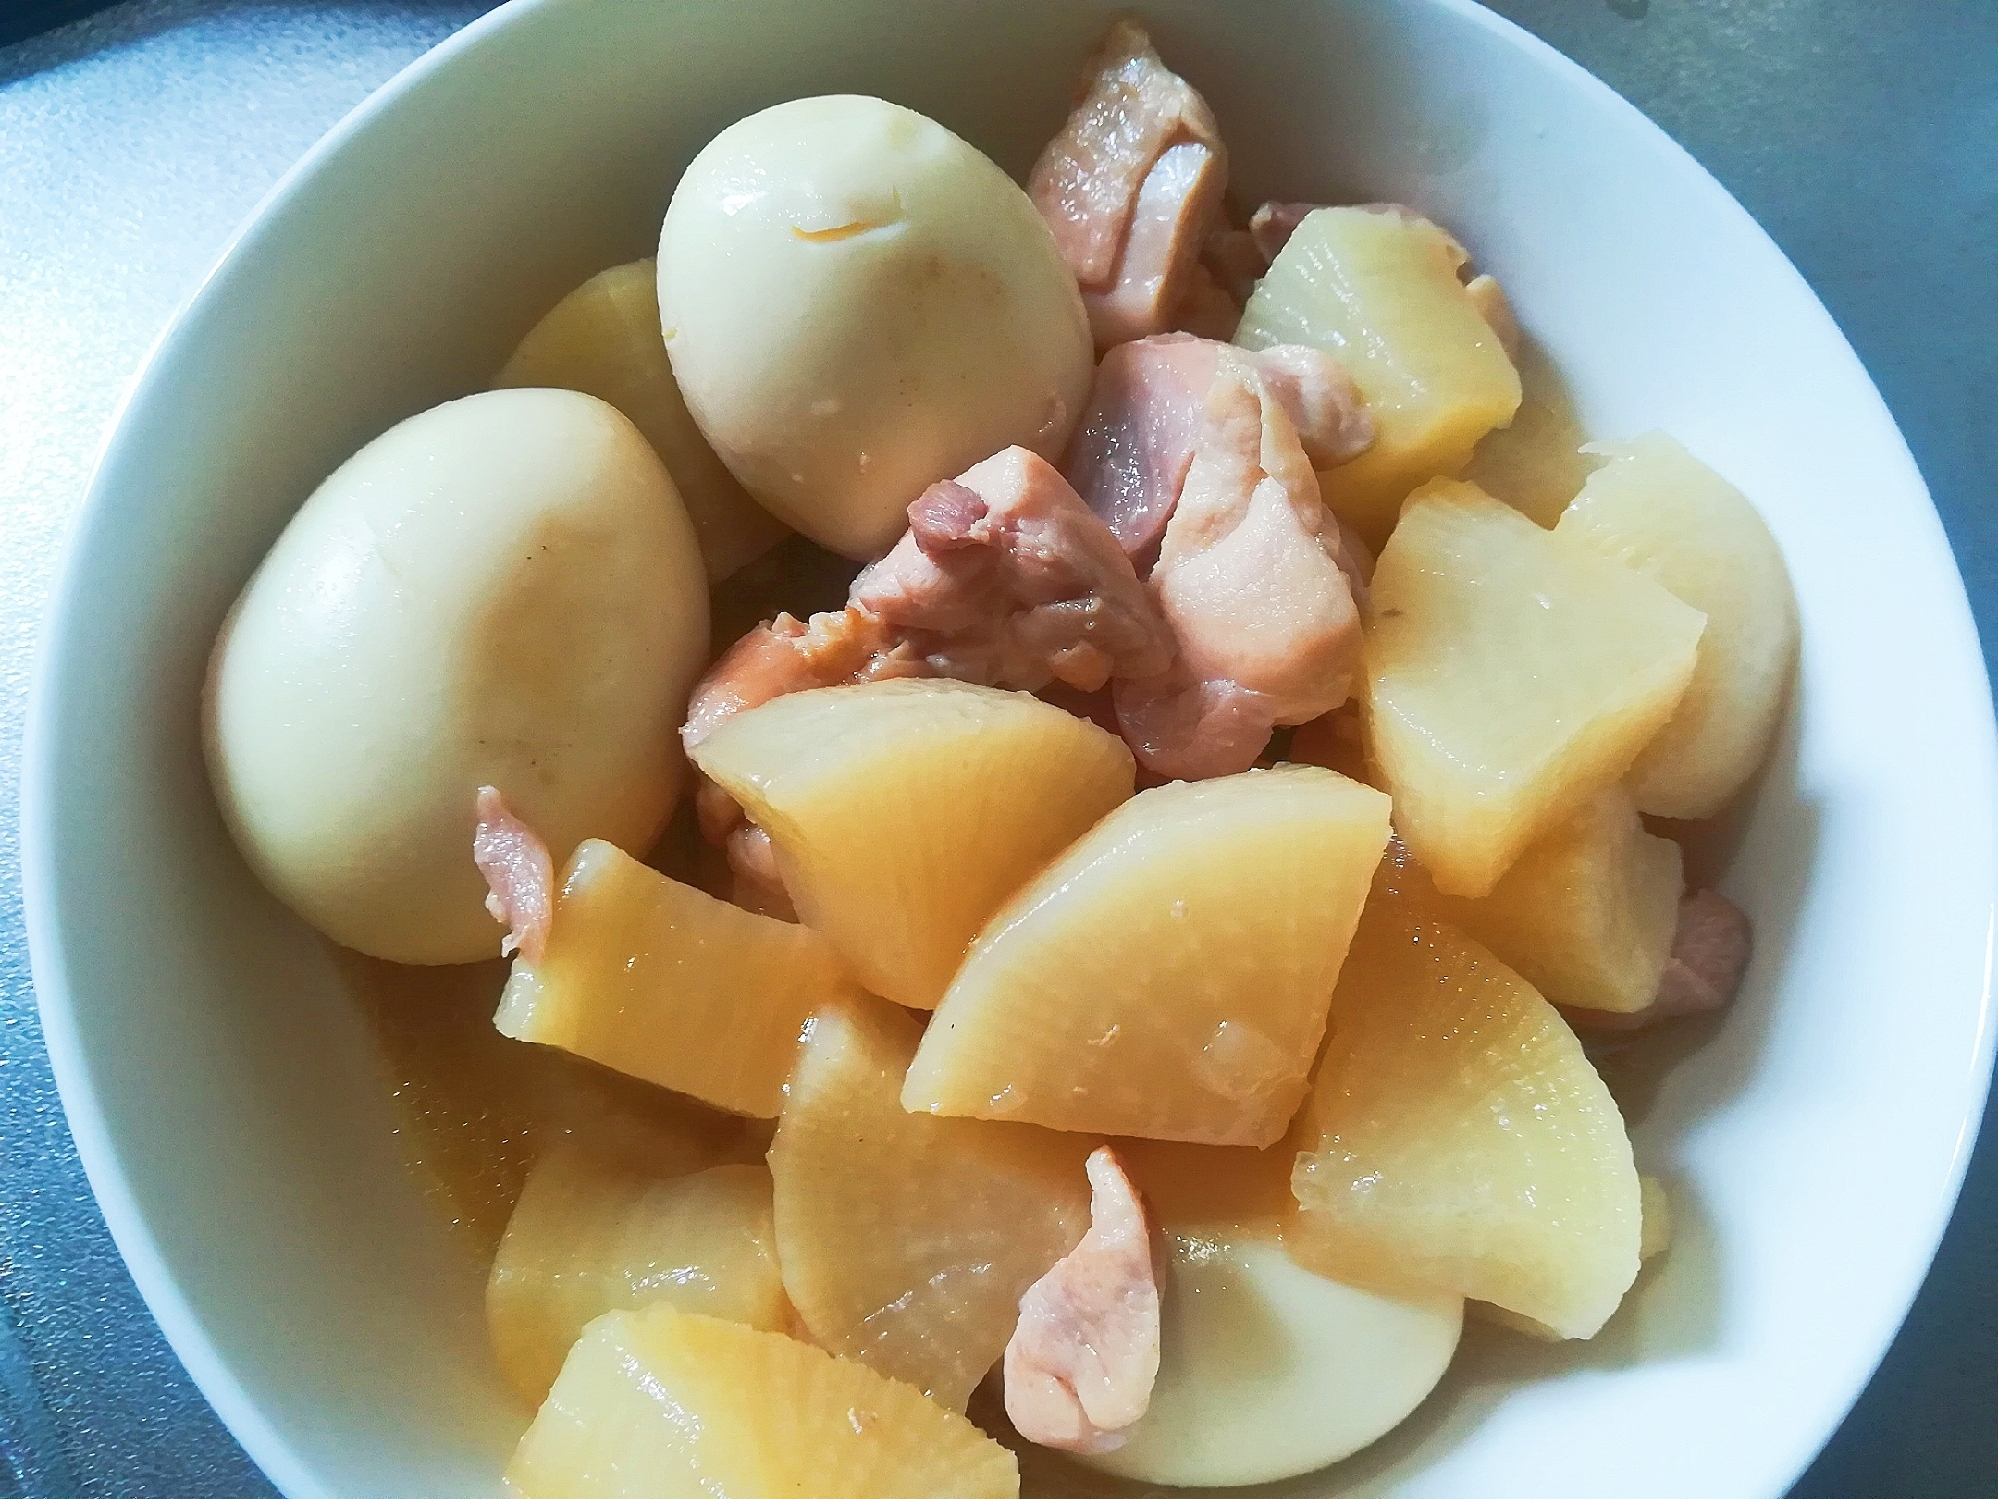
pixel 132 145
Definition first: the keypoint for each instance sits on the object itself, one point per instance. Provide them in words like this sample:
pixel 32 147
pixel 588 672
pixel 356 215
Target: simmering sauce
pixel 473 1109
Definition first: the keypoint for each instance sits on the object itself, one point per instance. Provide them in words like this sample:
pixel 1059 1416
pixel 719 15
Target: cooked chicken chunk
pixel 790 655
pixel 1129 458
pixel 520 876
pixel 1081 1364
pixel 1321 399
pixel 1131 187
pixel 1177 206
pixel 1005 578
pixel 1253 578
pixel 1272 225
pixel 1710 952
pixel 756 882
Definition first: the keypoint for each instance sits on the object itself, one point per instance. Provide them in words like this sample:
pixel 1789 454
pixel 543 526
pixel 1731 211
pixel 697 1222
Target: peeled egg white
pixel 503 590
pixel 858 304
pixel 1267 1370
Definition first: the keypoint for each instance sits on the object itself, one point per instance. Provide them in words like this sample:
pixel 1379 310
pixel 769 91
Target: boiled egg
pixel 504 590
pixel 857 304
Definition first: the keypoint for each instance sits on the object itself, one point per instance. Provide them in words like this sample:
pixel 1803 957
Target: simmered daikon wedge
pixel 906 1241
pixel 666 983
pixel 1380 288
pixel 665 1404
pixel 1458 1138
pixel 593 1234
pixel 1511 676
pixel 1658 510
pixel 904 813
pixel 1168 975
pixel 1588 912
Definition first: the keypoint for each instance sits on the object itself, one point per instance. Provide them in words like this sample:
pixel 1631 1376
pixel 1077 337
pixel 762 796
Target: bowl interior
pixel 221 1085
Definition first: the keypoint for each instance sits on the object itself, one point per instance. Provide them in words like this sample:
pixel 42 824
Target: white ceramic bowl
pixel 218 1081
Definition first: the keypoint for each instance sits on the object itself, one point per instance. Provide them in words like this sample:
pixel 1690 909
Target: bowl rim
pixel 233 1404
pixel 237 1408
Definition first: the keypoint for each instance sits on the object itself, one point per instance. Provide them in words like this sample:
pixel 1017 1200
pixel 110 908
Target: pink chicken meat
pixel 1177 205
pixel 1148 408
pixel 520 876
pixel 1131 188
pixel 1006 578
pixel 1258 583
pixel 1082 1361
pixel 1710 952
pixel 788 655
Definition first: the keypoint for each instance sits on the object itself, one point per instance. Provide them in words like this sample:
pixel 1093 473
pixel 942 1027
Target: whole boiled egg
pixel 603 339
pixel 504 590
pixel 858 304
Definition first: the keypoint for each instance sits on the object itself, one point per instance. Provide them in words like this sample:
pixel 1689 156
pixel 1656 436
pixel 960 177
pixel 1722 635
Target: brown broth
pixel 474 1110
pixel 794 577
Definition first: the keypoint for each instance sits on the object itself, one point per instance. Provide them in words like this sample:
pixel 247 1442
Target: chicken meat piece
pixel 1710 952
pixel 756 883
pixel 1321 399
pixel 1006 578
pixel 520 876
pixel 1147 409
pixel 1080 1366
pixel 1128 459
pixel 1129 109
pixel 1254 580
pixel 1182 728
pixel 1131 186
pixel 790 655
pixel 1159 269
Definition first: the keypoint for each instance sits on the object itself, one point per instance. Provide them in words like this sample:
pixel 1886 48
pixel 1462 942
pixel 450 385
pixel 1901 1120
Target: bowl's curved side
pixel 80 870
pixel 218 1084
pixel 1866 1026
